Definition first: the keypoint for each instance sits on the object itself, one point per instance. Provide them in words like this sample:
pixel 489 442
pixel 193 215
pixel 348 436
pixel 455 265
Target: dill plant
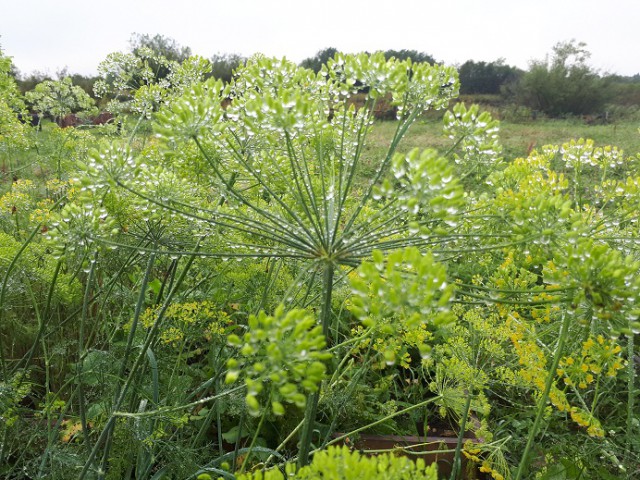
pixel 277 173
pixel 564 282
pixel 60 98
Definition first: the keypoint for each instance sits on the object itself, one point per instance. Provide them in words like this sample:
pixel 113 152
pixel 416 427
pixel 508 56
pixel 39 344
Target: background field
pixel 517 138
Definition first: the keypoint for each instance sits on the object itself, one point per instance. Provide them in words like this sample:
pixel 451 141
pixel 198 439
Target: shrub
pixel 563 85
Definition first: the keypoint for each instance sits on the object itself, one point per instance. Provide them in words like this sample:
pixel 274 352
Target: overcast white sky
pixel 47 35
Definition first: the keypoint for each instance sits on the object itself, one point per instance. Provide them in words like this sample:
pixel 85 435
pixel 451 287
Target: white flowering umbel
pixel 80 226
pixel 282 157
pixel 476 146
pixel 132 83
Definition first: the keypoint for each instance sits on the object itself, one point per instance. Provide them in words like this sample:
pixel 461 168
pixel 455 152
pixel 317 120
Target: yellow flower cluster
pixel 472 453
pixel 196 319
pixel 598 355
pixel 585 419
pixel 511 276
pixel 501 281
pixel 42 212
pixel 486 467
pixel 530 355
pixel 544 313
pixel 172 335
pixel 558 399
pixel 18 199
pixel 57 188
pixel 417 336
pixel 551 269
pixel 581 373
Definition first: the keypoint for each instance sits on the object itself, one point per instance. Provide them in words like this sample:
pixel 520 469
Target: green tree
pixel 321 58
pixel 483 77
pixel 29 82
pixel 414 55
pixel 564 84
pixel 223 65
pixel 625 91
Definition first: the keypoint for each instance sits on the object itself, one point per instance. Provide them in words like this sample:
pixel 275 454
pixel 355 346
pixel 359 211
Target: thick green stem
pixel 327 291
pixel 542 402
pixel 307 429
pixel 457 462
pixel 631 394
pixel 312 405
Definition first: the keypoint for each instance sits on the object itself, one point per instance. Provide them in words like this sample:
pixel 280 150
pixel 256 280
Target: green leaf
pixel 231 435
pixel 155 285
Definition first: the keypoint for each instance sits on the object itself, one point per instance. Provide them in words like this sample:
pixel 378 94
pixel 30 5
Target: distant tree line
pixel 562 84
pixel 486 77
pixel 475 77
pixel 559 85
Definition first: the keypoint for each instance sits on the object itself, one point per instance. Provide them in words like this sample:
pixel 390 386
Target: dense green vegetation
pixel 233 276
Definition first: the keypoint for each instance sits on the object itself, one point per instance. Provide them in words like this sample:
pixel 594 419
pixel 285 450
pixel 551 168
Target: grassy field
pixel 517 138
